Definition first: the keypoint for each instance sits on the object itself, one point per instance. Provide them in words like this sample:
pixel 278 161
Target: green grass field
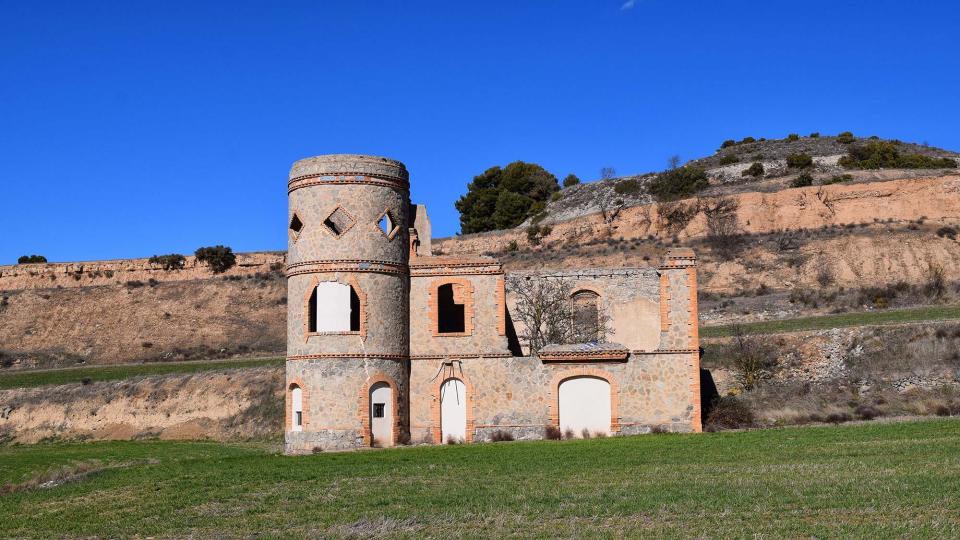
pixel 878 480
pixel 824 322
pixel 26 379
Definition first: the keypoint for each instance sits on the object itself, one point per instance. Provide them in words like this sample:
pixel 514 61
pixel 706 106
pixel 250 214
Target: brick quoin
pixel 696 423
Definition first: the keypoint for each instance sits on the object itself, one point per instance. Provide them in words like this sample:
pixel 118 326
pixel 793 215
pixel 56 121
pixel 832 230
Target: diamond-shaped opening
pixel 296 225
pixel 387 224
pixel 338 221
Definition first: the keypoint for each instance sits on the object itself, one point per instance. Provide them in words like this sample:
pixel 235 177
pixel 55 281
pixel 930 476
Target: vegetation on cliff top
pixel 502 198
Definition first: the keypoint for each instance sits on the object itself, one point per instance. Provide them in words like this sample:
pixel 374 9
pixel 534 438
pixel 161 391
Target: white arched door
pixel 585 405
pixel 453 410
pixel 381 414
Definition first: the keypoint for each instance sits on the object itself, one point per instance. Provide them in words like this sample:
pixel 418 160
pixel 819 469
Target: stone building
pixel 388 344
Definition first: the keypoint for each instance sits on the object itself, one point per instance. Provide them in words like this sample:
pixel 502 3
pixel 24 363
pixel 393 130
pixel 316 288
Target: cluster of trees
pixel 502 198
pixel 218 258
pixel 885 154
pixel 31 259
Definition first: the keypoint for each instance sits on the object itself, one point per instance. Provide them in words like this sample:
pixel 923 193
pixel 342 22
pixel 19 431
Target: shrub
pixel 866 412
pixel 799 161
pixel 947 232
pixel 569 434
pixel 836 179
pixel 134 284
pixel 679 183
pixel 936 284
pixel 553 433
pixel 729 159
pixel 571 180
pixel 753 358
pixel 173 261
pixel 815 135
pixel 845 138
pixel 218 258
pixel 585 434
pixel 630 186
pixel 793 137
pixel 512 246
pixel 728 143
pixel 452 440
pixel 885 154
pixel 755 170
pixel 803 180
pixel 31 259
pixel 557 195
pixel 676 215
pixel 723 231
pixel 747 140
pixel 501 436
pixel 729 413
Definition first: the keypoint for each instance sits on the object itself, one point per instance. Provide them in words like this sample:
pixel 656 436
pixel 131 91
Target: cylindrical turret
pixel 348 303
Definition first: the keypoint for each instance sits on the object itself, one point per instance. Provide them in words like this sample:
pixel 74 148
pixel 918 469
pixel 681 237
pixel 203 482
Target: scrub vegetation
pixel 876 480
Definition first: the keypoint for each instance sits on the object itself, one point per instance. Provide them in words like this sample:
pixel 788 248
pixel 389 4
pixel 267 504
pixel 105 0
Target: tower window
pixel 296 407
pixel 296 225
pixel 450 316
pixel 333 307
pixel 387 224
pixel 338 222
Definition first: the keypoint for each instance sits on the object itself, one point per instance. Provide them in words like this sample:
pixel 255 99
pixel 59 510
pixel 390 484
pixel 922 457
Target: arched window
pixel 450 314
pixel 296 408
pixel 333 307
pixel 586 315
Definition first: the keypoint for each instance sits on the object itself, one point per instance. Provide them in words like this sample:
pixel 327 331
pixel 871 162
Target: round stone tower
pixel 348 303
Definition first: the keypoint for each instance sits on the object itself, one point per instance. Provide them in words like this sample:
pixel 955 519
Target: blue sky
pixel 132 128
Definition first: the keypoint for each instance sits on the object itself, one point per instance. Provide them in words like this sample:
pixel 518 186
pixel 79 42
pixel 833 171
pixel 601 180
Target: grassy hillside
pixel 860 481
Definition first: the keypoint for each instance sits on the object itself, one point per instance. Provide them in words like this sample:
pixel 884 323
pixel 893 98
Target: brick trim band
pixel 346 265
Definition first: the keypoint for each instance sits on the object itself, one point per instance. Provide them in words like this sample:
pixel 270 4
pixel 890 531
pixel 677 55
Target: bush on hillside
pixel 729 412
pixel 728 143
pixel 571 180
pixel 729 159
pixel 31 259
pixel 803 180
pixel 755 170
pixel 218 258
pixel 679 183
pixel 815 135
pixel 173 261
pixel 885 154
pixel 502 198
pixel 793 137
pixel 747 140
pixel 845 138
pixel 836 179
pixel 630 186
pixel 799 161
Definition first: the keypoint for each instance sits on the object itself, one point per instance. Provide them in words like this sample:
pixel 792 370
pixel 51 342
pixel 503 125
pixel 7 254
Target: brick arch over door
pixel 305 404
pixel 364 409
pixel 554 396
pixel 435 419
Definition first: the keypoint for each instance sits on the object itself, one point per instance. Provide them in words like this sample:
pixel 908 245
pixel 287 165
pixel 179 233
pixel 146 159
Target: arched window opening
pixel 450 316
pixel 333 307
pixel 586 316
pixel 296 408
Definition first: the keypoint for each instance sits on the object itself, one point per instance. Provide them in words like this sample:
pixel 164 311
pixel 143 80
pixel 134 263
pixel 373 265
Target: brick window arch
pixel 451 307
pixel 344 306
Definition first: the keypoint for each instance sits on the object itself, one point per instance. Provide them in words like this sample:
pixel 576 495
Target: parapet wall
pixel 120 271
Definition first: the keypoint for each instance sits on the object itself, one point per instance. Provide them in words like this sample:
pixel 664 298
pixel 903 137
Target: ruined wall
pixel 485 330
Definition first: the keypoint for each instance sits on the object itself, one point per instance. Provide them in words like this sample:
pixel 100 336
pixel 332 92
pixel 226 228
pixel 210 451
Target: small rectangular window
pixel 378 410
pixel 299 419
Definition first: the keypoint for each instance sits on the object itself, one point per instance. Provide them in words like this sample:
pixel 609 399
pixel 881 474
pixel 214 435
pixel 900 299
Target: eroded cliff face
pixel 935 198
pixel 228 405
pixel 167 321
